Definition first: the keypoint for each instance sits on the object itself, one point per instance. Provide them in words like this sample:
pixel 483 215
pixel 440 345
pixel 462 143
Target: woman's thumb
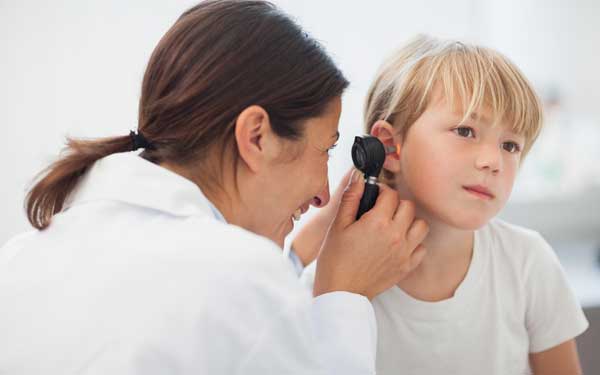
pixel 348 208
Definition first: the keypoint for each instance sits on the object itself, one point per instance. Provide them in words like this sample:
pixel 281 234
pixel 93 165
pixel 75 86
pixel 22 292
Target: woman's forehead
pixel 326 125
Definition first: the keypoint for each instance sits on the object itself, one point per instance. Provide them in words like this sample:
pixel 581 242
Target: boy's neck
pixel 446 244
pixel 445 265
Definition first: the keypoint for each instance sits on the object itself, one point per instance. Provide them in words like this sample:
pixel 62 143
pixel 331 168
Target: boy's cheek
pixel 509 183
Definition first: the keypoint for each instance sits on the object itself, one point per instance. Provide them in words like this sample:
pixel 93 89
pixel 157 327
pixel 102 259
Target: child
pixel 489 297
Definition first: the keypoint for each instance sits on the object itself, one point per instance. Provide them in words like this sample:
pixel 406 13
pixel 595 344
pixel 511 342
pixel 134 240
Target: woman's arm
pixel 559 360
pixel 309 239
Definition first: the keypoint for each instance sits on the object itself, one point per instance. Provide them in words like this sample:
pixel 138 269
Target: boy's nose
pixel 489 158
pixel 322 198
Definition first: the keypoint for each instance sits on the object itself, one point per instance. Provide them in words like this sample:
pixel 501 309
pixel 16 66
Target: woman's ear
pixel 384 131
pixel 255 139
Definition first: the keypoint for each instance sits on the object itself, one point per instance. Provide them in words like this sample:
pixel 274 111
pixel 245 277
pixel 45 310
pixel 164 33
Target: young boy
pixel 489 297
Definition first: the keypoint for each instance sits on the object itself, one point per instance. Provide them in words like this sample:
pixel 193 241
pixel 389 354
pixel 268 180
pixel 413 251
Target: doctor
pixel 168 260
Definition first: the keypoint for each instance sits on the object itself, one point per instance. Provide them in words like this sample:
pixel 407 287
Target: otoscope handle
pixel 368 199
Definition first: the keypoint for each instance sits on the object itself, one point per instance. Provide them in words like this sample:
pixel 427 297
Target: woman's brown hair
pixel 216 60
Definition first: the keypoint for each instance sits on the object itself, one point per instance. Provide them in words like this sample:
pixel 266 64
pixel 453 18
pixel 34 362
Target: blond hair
pixel 471 76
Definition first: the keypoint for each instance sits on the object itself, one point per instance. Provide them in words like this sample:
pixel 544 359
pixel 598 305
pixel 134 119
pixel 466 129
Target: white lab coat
pixel 137 276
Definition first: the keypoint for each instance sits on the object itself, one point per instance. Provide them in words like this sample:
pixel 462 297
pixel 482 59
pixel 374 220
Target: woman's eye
pixel 511 147
pixel 330 150
pixel 465 131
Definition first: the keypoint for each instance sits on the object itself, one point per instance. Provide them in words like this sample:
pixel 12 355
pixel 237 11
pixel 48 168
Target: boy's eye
pixel 465 131
pixel 511 147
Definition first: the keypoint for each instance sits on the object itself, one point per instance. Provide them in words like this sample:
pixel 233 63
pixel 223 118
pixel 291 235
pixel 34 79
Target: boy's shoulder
pixel 524 245
pixel 516 234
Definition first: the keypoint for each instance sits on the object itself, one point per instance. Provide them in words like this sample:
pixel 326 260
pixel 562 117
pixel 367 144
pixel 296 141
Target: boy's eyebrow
pixel 476 117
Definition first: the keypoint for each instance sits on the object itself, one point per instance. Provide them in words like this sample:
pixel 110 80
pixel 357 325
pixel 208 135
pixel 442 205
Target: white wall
pixel 75 67
pixel 553 41
pixel 68 68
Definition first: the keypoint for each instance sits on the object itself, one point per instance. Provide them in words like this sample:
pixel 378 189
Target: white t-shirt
pixel 514 300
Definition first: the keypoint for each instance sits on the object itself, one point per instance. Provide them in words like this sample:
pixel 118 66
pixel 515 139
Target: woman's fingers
pixel 417 232
pixel 416 257
pixel 386 204
pixel 404 216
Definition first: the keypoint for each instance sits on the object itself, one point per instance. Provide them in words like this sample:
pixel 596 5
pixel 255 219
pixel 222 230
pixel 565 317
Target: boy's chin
pixel 464 221
pixel 470 222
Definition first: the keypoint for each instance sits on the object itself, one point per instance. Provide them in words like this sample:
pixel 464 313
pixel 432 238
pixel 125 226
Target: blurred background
pixel 75 68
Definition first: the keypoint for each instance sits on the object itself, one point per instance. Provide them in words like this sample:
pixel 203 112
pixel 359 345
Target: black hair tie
pixel 138 141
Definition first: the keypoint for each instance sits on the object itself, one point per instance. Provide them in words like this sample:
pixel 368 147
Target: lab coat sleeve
pixel 346 332
pixel 332 316
pixel 296 262
pixel 253 317
pixel 334 333
pixel 290 254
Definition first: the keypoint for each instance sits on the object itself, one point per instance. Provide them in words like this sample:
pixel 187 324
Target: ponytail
pixel 56 182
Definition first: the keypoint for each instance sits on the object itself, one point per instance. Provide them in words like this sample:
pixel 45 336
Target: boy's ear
pixel 384 131
pixel 255 139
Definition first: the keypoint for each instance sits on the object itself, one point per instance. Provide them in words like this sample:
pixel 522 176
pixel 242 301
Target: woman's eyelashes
pixel 330 150
pixel 468 132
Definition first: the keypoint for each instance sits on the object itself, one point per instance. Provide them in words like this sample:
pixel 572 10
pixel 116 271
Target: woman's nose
pixel 489 158
pixel 322 198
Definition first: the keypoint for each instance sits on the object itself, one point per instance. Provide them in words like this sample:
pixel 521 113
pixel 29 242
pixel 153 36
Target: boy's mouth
pixel 480 191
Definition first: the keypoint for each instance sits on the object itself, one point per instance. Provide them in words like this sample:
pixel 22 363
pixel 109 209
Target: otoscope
pixel 368 155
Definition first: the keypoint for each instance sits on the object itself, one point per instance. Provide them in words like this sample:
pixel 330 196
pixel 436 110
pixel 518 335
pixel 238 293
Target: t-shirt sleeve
pixel 553 314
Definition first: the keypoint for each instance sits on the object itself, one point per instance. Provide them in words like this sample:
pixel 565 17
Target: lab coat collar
pixel 128 178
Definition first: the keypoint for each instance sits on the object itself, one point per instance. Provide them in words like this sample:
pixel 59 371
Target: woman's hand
pixel 309 239
pixel 369 255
